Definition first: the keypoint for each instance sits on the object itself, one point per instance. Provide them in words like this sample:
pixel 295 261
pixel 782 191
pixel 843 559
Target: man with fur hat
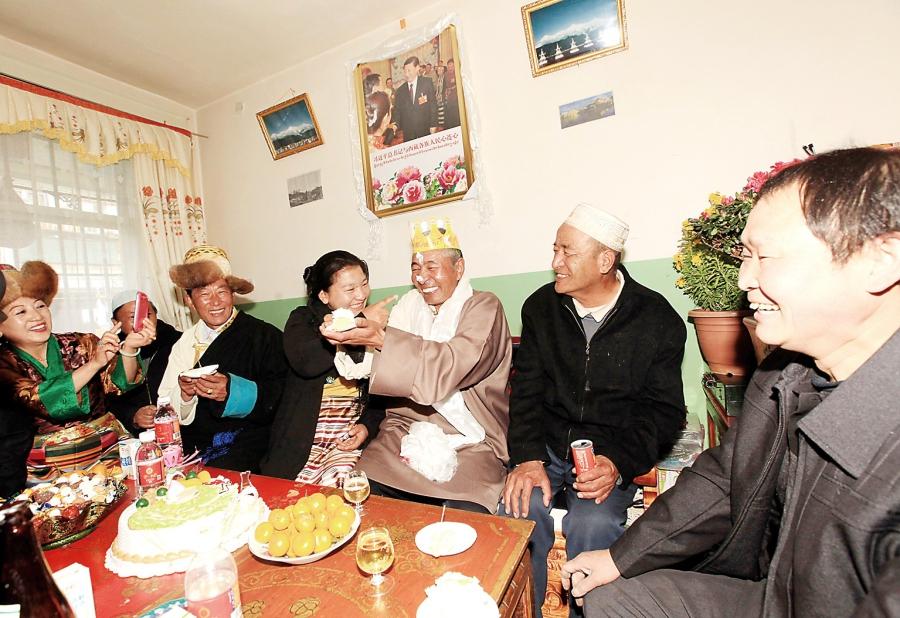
pixel 226 414
pixel 137 407
pixel 600 359
pixel 443 360
pixel 59 381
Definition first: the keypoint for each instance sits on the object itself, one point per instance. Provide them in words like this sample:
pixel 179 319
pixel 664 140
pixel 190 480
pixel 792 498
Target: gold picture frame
pixel 563 33
pixel 413 127
pixel 290 127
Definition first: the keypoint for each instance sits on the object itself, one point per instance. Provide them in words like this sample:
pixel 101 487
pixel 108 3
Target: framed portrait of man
pixel 413 128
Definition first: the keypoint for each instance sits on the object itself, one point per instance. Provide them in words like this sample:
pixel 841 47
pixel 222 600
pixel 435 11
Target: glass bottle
pixel 25 579
pixel 211 585
pixel 148 463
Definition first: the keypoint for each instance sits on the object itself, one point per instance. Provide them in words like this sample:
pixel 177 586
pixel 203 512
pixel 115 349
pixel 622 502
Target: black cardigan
pixel 311 361
pixel 623 391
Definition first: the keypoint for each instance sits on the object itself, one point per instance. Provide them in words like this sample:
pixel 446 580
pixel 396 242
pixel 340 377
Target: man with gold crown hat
pixel 443 362
pixel 226 414
pixel 600 360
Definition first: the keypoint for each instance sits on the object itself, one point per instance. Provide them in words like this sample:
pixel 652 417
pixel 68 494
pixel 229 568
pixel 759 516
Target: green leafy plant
pixel 708 258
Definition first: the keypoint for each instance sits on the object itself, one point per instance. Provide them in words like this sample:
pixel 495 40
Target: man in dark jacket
pixel 600 359
pixel 135 408
pixel 796 513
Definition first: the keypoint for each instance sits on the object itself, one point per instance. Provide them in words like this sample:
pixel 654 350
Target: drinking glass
pixel 375 555
pixel 356 489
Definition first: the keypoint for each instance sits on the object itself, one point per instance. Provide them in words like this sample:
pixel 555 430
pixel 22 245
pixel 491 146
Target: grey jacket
pixel 835 549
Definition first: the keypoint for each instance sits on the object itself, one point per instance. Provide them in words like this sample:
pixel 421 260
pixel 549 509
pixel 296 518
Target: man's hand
pixel 188 387
pixel 355 437
pixel 519 483
pixel 366 333
pixel 598 482
pixel 379 311
pixel 213 386
pixel 143 418
pixel 587 571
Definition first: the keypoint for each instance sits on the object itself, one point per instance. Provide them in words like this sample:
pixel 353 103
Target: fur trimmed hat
pixel 35 279
pixel 203 265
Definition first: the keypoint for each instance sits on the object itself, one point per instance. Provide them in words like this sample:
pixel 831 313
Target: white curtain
pixel 147 167
pixel 81 219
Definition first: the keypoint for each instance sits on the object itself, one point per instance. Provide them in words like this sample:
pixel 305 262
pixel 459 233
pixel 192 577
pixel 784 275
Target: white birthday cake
pixel 161 533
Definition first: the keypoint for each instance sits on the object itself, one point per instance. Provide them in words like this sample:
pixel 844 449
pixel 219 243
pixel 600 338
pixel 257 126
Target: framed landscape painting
pixel 562 33
pixel 413 127
pixel 290 127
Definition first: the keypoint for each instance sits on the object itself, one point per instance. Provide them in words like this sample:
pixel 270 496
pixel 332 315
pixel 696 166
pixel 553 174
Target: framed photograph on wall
pixel 290 127
pixel 413 128
pixel 562 33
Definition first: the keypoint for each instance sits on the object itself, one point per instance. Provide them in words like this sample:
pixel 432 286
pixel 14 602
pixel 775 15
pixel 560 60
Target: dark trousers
pixel 392 492
pixel 586 526
pixel 676 594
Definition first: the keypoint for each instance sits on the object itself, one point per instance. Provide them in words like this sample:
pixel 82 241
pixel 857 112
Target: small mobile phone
pixel 141 310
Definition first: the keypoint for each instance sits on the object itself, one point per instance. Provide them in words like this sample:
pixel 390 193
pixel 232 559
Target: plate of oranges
pixel 305 531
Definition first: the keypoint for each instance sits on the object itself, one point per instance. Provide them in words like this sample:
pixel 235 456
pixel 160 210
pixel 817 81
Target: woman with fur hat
pixel 59 380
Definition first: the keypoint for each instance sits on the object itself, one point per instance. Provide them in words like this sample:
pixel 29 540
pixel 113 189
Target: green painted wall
pixel 512 290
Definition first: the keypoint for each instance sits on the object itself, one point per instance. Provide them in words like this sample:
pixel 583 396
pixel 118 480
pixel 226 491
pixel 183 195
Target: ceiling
pixel 193 51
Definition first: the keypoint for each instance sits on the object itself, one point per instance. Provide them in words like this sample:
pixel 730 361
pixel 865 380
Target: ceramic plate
pixel 261 551
pixel 445 538
pixel 199 372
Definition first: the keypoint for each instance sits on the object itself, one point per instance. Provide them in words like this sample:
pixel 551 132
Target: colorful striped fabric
pixel 326 464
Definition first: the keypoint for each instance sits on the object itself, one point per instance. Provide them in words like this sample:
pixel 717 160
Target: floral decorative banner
pixel 413 127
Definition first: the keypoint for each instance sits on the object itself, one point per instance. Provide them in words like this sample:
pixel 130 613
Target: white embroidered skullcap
pixel 599 225
pixel 125 296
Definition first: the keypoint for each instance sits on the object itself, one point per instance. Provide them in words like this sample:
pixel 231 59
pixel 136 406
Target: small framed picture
pixel 562 33
pixel 290 127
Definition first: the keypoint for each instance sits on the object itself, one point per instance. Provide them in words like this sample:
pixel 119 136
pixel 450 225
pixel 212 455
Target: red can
pixel 583 456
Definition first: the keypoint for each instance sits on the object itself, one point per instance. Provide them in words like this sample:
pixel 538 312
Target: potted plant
pixel 708 262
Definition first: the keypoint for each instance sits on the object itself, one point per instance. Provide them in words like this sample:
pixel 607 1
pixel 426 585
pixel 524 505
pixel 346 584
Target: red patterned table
pixel 334 585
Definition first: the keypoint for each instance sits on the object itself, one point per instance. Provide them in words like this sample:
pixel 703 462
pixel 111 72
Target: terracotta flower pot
pixel 724 342
pixel 761 349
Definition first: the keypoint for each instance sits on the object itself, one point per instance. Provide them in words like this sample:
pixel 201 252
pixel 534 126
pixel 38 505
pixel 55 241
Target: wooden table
pixel 334 585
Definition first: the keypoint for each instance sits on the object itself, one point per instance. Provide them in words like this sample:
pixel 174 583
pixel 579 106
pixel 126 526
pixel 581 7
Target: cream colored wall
pixel 29 64
pixel 707 93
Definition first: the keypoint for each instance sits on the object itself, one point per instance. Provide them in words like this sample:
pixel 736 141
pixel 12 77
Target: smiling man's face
pixel 214 302
pixel 436 275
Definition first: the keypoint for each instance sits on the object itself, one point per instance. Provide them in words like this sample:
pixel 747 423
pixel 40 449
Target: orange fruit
pixel 304 523
pixel 204 476
pixel 303 543
pixel 332 502
pixel 339 527
pixel 344 512
pixel 301 506
pixel 321 519
pixel 279 519
pixel 279 543
pixel 324 540
pixel 317 502
pixel 263 532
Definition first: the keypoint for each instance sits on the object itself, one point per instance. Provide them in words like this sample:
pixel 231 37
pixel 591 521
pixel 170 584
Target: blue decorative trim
pixel 221 445
pixel 241 397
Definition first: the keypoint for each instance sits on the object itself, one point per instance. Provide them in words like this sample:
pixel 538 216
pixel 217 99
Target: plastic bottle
pixel 168 432
pixel 25 579
pixel 211 585
pixel 148 461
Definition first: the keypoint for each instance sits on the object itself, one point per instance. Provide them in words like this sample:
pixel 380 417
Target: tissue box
pixel 75 583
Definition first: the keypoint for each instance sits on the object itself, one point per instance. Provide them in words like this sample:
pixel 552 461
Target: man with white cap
pixel 442 362
pixel 135 408
pixel 600 360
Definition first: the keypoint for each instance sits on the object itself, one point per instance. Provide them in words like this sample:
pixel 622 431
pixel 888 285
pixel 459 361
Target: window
pixel 81 219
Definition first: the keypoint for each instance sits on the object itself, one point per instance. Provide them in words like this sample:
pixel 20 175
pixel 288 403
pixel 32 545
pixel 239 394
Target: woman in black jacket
pixel 323 420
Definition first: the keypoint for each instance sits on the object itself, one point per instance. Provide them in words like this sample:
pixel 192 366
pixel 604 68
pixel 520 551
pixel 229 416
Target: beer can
pixel 127 449
pixel 583 456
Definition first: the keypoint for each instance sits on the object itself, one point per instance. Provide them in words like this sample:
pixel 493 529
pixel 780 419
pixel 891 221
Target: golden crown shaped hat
pixel 433 234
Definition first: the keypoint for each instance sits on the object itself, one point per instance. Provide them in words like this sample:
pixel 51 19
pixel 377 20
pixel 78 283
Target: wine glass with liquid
pixel 356 489
pixel 375 555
